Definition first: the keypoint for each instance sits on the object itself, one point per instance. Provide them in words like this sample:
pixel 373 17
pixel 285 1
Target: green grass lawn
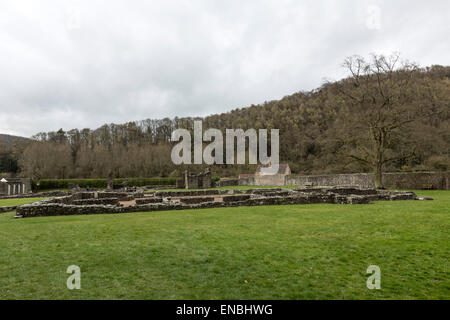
pixel 277 252
pixel 18 202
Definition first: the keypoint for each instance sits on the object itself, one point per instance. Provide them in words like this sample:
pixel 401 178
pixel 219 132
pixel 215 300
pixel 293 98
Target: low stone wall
pixel 101 201
pixel 401 180
pixel 122 196
pixel 147 200
pixel 227 182
pixel 268 192
pixel 418 180
pixel 259 197
pixel 191 200
pixel 234 198
pixel 189 193
pixel 247 181
pixel 153 187
pixel 65 199
pixel 263 180
pixel 93 198
pixel 361 180
pixel 7 209
pixel 342 190
pixel 36 195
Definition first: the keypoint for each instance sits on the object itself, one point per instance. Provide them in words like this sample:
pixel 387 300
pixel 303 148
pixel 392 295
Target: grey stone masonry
pixel 98 203
pixel 147 200
pixel 14 186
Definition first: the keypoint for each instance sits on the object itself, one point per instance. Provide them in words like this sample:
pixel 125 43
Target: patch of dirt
pixel 128 203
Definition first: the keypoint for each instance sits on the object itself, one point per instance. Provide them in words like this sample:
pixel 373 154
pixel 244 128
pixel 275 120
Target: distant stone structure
pixel 261 179
pixel 394 180
pixel 391 180
pixel 195 181
pixel 14 186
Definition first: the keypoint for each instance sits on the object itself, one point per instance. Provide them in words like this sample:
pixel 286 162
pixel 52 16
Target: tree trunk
pixel 378 177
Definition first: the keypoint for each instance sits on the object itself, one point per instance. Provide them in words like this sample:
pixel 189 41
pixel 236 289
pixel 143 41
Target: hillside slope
pixel 9 139
pixel 312 126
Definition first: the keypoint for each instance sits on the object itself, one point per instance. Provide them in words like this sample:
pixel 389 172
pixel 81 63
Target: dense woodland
pixel 321 131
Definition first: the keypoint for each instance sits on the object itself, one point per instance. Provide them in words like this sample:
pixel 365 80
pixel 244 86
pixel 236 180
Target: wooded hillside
pixel 313 126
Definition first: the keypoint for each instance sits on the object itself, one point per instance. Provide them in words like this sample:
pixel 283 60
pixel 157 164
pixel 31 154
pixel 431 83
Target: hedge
pixel 48 184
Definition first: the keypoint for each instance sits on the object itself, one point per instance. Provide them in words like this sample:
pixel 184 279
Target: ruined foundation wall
pixel 406 180
pixel 226 182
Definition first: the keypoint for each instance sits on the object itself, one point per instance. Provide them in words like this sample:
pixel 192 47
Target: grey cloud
pixel 81 64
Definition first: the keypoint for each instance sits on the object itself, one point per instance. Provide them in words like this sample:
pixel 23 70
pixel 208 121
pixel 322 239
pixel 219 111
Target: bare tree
pixel 378 100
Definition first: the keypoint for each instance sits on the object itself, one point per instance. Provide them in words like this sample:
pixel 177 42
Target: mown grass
pixel 274 252
pixel 18 202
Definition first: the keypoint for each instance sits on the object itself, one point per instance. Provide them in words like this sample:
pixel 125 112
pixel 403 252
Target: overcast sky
pixel 78 64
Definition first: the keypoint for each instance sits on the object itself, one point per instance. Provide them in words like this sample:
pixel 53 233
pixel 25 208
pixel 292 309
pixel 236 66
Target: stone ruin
pixel 14 187
pixel 122 202
pixel 195 181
